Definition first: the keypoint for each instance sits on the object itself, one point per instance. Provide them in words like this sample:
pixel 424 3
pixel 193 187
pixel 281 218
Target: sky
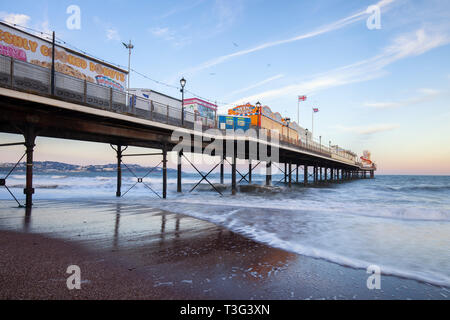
pixel 384 89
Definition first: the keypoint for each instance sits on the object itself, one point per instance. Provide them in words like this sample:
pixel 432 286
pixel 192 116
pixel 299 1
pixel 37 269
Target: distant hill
pixel 60 167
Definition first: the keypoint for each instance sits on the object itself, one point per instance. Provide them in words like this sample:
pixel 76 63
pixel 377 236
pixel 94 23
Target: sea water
pixel 399 223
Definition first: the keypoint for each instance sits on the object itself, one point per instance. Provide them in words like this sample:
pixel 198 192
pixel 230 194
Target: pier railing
pixel 28 77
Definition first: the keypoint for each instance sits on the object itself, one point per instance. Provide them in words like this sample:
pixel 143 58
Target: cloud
pixel 426 95
pixel 258 84
pixel 15 18
pixel 369 129
pixel 319 31
pixel 178 9
pixel 171 36
pixel 112 34
pixel 403 46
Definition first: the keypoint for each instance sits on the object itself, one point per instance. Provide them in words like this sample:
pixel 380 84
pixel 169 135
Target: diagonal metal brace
pixel 3 180
pixel 242 176
pixel 249 173
pixel 141 179
pixel 283 177
pixel 204 177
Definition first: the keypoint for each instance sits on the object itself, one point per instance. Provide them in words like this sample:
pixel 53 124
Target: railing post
pixel 110 98
pixel 85 92
pixel 12 72
pixel 152 107
pixel 167 121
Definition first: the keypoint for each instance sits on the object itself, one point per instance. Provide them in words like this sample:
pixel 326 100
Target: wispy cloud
pixel 404 46
pixel 256 85
pixel 369 129
pixel 319 31
pixel 166 34
pixel 15 18
pixel 179 9
pixel 426 96
pixel 112 34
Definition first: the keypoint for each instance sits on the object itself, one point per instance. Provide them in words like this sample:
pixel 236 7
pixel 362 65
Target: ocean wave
pixel 38 186
pixel 384 212
pixel 419 188
pixel 226 220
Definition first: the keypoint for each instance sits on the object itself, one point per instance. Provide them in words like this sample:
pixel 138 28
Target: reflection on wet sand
pixel 194 258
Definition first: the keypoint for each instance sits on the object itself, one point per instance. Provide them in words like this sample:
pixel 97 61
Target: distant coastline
pixel 60 167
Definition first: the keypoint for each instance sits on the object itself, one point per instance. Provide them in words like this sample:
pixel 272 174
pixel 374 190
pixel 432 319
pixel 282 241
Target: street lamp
pixel 288 121
pixel 306 134
pixel 183 84
pixel 130 47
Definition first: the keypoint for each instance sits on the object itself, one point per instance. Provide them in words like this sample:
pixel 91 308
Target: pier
pixel 37 101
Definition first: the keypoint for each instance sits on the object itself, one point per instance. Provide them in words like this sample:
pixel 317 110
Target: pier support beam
pixel 290 175
pixel 326 174
pixel 250 169
pixel 233 175
pixel 164 162
pixel 30 138
pixel 296 173
pixel 268 173
pixel 305 175
pixel 332 174
pixel 372 174
pixel 285 172
pixel 316 174
pixel 222 165
pixel 179 172
pixel 119 171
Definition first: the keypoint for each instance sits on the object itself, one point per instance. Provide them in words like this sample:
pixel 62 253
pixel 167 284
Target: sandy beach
pixel 129 251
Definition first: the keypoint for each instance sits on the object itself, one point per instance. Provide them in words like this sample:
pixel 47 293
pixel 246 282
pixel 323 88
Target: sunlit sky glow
pixel 383 90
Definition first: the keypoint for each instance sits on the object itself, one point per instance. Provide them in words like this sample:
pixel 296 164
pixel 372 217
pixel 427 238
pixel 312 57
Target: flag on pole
pixel 302 98
pixel 316 110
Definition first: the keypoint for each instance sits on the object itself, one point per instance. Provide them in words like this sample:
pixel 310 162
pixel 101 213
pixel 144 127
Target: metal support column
pixel 30 138
pixel 233 175
pixel 179 172
pixel 305 175
pixel 296 173
pixel 290 175
pixel 316 175
pixel 268 173
pixel 326 174
pixel 250 169
pixel 222 165
pixel 164 173
pixel 119 171
pixel 285 172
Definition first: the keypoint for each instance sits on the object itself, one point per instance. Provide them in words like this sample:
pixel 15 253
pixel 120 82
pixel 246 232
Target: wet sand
pixel 130 251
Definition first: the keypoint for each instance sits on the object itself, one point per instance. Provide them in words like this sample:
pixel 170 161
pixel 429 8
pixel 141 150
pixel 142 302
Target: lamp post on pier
pixel 183 84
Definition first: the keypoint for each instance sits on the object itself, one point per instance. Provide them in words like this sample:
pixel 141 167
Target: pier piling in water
pixel 268 173
pixel 30 138
pixel 179 172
